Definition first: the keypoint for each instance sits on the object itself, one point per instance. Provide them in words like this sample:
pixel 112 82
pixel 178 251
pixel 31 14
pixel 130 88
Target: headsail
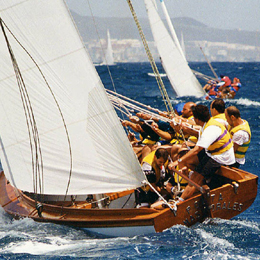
pixel 174 63
pixel 102 158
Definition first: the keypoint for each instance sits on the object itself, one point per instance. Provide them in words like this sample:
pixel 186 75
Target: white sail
pixel 101 155
pixel 174 63
pixel 183 44
pixel 109 58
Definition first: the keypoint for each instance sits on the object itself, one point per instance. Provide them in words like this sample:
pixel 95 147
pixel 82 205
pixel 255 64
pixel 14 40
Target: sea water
pixel 238 238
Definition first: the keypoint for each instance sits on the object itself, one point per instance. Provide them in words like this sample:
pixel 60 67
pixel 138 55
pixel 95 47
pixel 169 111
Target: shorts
pixel 207 166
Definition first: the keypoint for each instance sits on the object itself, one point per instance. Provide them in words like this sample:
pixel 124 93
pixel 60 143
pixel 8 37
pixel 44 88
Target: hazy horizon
pixel 221 14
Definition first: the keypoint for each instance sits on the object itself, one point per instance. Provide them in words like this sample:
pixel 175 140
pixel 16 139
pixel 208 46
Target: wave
pixel 240 101
pixel 214 241
pixel 244 102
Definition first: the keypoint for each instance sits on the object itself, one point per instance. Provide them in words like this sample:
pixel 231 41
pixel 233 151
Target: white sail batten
pixel 102 158
pixel 109 58
pixel 175 65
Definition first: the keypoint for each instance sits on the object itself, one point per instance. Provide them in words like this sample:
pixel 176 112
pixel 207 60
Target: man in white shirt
pixel 217 110
pixel 213 149
pixel 240 133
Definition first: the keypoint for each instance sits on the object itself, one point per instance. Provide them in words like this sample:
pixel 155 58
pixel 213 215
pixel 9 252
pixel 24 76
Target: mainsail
pixel 109 59
pixel 94 150
pixel 173 61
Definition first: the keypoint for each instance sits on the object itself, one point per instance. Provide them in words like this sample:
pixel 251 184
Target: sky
pixel 221 14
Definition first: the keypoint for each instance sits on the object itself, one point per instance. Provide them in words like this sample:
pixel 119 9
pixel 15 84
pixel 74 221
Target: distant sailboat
pixel 172 57
pixel 109 58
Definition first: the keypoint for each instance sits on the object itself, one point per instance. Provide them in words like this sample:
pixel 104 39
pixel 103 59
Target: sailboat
pixel 66 158
pixel 172 57
pixel 109 59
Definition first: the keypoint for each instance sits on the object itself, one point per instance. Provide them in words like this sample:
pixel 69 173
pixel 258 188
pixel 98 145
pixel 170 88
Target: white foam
pixel 245 102
pixel 54 246
pixel 248 224
pixel 214 241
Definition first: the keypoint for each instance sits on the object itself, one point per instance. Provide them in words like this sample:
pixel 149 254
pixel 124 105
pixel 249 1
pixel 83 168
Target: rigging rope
pixel 30 119
pixel 114 98
pixel 162 89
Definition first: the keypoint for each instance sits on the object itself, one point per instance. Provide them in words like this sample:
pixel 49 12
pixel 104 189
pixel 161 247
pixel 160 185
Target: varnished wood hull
pixel 224 202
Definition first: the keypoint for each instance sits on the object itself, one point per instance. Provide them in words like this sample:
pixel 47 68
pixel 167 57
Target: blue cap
pixel 178 108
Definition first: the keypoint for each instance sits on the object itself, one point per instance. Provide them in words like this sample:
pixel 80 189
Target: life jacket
pixel 193 139
pixel 150 160
pixel 148 136
pixel 212 92
pixel 182 181
pixel 235 87
pixel 227 81
pixel 222 117
pixel 148 141
pixel 179 138
pixel 223 142
pixel 176 141
pixel 241 151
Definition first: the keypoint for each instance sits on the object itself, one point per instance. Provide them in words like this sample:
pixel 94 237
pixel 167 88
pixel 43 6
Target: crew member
pixel 240 133
pixel 213 149
pixel 235 86
pixel 154 166
pixel 217 110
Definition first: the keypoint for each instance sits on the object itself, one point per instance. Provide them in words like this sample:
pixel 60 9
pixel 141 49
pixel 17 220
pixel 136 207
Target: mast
pixel 213 71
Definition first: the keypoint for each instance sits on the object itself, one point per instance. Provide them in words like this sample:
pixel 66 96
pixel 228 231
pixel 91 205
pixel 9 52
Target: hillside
pixel 220 45
pixel 125 28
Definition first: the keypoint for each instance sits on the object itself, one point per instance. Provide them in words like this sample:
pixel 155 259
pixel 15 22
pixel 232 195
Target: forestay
pixel 174 63
pixel 102 158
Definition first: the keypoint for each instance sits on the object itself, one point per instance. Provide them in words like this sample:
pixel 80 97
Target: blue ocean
pixel 238 238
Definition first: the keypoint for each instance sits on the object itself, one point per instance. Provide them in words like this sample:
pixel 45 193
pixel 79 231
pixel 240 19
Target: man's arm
pixel 185 158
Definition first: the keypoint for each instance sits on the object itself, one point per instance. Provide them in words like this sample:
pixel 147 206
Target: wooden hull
pixel 224 202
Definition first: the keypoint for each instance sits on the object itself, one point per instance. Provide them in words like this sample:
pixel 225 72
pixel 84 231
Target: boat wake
pixel 153 75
